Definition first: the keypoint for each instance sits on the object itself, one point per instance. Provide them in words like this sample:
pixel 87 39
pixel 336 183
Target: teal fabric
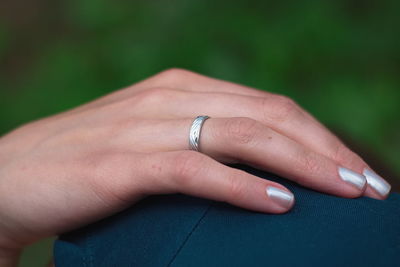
pixel 179 230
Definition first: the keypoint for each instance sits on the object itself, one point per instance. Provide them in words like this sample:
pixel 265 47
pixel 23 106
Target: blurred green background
pixel 339 59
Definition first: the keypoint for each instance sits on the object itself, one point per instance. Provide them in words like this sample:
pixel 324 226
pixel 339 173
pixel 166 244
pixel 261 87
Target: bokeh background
pixel 339 59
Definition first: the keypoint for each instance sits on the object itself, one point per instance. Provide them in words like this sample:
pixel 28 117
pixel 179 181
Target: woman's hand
pixel 77 167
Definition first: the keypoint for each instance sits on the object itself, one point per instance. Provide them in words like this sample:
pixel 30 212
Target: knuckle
pixel 284 108
pixel 342 154
pixel 237 189
pixel 339 153
pixel 187 166
pixel 100 168
pixel 154 95
pixel 242 130
pixel 172 74
pixel 309 162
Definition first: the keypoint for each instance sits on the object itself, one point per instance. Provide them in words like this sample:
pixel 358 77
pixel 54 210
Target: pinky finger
pixel 193 173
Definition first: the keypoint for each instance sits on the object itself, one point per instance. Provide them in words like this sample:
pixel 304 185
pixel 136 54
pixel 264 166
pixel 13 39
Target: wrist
pixel 9 257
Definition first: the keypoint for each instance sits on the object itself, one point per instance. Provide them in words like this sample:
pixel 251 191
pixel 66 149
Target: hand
pixel 82 165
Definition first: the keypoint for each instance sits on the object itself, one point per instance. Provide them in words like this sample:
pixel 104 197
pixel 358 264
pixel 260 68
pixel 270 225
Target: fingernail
pixel 352 177
pixel 282 197
pixel 376 182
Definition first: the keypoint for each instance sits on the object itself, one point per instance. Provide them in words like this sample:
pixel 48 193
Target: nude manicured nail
pixel 376 182
pixel 282 197
pixel 352 177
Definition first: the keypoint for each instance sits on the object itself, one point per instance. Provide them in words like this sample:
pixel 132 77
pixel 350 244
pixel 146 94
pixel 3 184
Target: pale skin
pixel 71 169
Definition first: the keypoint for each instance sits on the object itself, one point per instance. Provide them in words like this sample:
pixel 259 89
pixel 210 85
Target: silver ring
pixel 195 129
